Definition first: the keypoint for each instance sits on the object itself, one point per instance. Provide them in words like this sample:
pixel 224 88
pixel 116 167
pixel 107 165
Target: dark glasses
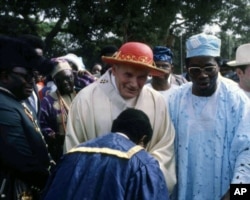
pixel 209 70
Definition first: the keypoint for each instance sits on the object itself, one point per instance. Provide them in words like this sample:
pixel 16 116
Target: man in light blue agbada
pixel 211 117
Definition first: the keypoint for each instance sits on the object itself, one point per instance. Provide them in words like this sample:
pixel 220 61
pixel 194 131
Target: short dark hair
pixel 242 67
pixel 135 124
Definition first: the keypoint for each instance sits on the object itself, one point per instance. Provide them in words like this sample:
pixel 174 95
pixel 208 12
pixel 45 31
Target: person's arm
pixel 47 119
pixel 240 145
pixel 148 183
pixel 82 79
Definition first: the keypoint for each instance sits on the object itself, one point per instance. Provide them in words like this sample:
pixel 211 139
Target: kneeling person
pixel 113 166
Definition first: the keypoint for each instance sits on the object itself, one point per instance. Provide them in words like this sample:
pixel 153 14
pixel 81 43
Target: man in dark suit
pixel 33 101
pixel 24 158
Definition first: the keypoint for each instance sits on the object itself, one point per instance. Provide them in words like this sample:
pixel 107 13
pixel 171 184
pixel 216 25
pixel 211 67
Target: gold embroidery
pixel 131 57
pixel 108 151
pixel 29 114
pixel 26 196
pixel 34 121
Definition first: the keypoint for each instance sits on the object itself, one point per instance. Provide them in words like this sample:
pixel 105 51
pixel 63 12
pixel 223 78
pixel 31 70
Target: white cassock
pixel 96 106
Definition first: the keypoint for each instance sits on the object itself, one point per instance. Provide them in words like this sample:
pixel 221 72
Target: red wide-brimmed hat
pixel 135 54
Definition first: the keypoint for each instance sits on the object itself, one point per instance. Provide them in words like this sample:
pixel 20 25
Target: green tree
pixel 84 27
pixel 234 19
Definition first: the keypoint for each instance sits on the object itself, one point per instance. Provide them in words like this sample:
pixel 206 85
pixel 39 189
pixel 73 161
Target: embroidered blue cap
pixel 203 45
pixel 162 53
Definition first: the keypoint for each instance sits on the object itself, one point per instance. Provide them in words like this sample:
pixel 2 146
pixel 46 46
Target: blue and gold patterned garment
pixel 108 167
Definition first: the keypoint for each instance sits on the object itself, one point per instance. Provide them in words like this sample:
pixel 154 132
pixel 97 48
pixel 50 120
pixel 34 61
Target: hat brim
pixel 234 63
pixel 153 70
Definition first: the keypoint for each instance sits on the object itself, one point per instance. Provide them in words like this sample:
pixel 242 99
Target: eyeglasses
pixel 209 70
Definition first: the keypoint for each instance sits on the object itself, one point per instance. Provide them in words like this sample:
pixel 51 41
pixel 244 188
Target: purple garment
pixel 82 81
pixel 51 121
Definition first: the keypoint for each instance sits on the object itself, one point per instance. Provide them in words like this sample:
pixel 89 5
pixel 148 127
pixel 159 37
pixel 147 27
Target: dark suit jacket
pixel 23 152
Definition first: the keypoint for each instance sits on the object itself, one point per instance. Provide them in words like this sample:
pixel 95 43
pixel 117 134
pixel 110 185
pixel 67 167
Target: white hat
pixel 203 45
pixel 60 66
pixel 74 59
pixel 242 56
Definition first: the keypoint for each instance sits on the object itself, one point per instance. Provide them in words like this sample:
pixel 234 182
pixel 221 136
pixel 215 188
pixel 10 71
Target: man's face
pixel 64 81
pixel 203 72
pixel 244 77
pixel 129 80
pixel 165 66
pixel 20 82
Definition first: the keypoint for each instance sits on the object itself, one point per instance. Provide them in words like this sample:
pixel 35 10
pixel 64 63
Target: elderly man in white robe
pixel 211 118
pixel 96 106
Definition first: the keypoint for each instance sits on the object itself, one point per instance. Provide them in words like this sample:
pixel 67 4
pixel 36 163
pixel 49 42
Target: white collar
pixel 113 82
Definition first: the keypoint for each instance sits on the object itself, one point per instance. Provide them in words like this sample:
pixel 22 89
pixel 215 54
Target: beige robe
pixel 97 105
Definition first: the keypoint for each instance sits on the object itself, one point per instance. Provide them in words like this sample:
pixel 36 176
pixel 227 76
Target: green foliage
pixel 84 27
pixel 234 18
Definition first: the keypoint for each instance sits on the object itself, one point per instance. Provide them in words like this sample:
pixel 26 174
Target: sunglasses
pixel 209 70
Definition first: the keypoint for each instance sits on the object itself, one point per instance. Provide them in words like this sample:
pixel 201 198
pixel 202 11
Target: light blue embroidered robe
pixel 212 140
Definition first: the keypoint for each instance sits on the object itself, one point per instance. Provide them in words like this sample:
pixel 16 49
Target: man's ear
pixel 142 141
pixel 239 72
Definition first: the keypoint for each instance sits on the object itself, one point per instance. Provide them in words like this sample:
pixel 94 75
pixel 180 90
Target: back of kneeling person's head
pixel 135 124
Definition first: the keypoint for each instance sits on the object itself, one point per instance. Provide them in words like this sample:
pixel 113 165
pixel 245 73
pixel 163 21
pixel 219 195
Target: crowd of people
pixel 127 128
